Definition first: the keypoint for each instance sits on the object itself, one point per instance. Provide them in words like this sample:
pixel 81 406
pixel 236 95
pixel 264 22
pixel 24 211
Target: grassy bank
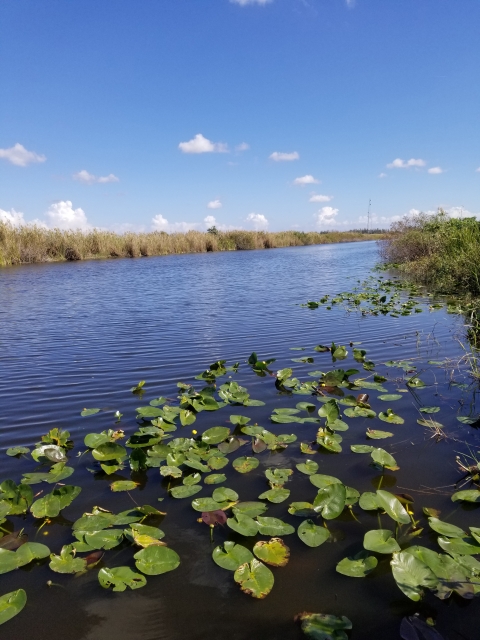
pixel 27 244
pixel 440 252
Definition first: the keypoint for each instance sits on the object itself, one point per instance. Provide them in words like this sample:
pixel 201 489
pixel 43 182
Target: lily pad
pixel 390 397
pixel 223 494
pixel 467 495
pixel 320 626
pixel 273 526
pixel 357 566
pixel 465 546
pixel 321 480
pixel 251 509
pixel 245 464
pixel 120 578
pixel 243 524
pixel 392 506
pixel 411 575
pixel 123 485
pixel 66 562
pixel 155 560
pixel 376 434
pixel 206 504
pixel 89 412
pixel 309 467
pixel 361 448
pixel 330 501
pixel 276 495
pixel 17 451
pixel 215 478
pixel 215 435
pixel 274 552
pixel 430 409
pixel 50 505
pixel 231 555
pixel 185 491
pixel 384 459
pixel 11 604
pixel 311 534
pixel 390 416
pixel 445 528
pixel 254 578
pixel 380 541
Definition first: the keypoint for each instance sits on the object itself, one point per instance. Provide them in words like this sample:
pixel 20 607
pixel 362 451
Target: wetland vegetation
pixel 29 243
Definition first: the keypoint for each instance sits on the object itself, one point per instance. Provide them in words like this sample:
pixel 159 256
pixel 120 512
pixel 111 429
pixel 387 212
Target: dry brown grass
pixel 27 244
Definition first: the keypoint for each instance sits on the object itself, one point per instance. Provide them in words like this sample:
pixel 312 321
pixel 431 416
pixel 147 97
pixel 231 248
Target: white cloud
pixel 436 170
pixel 159 223
pixel 200 144
pixel 89 178
pixel 382 175
pixel 277 156
pixel 320 198
pixel 258 220
pixel 326 216
pixel 19 156
pixel 477 170
pixel 210 221
pixel 15 218
pixel 308 179
pixel 350 3
pixel 62 215
pixel 214 204
pixel 243 146
pixel 398 163
pixel 379 221
pixel 243 3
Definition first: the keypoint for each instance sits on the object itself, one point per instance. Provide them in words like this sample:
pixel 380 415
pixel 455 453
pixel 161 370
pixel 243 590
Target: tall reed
pixel 30 243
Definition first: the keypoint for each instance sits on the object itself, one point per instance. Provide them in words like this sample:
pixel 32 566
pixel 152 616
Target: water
pixel 81 334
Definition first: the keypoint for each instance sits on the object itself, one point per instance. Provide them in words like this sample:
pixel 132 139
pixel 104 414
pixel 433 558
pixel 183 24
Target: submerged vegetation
pixel 423 552
pixel 30 243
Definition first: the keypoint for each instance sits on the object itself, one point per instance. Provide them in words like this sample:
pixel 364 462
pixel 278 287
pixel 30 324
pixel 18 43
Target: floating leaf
pixel 120 578
pixel 445 528
pixel 321 480
pixel 217 462
pixel 51 504
pixel 392 506
pixel 357 566
pixel 361 448
pixel 411 574
pixel 215 435
pixel 243 524
pixel 465 546
pixel 468 495
pixel 206 504
pixel 276 495
pixel 251 509
pixel 376 434
pixel 390 416
pixel 330 501
pixel 368 501
pixel 414 628
pixel 66 562
pixel 301 509
pixel 311 534
pixel 273 527
pixel 309 467
pixel 185 491
pixel 384 459
pixel 430 409
pixel 215 478
pixel 254 578
pixel 324 626
pixel 231 556
pixel 274 552
pixel 245 464
pixel 89 412
pixel 380 541
pixel 17 451
pixel 390 397
pixel 155 560
pixel 123 485
pixel 109 451
pixel 223 494
pixel 11 604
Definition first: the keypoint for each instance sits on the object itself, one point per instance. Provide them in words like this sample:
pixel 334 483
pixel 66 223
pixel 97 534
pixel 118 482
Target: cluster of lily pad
pixel 192 463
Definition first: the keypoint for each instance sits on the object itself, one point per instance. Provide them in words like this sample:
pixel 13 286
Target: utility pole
pixel 368 216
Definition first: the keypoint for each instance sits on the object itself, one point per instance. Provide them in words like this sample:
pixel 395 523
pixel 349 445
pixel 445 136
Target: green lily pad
pixel 66 562
pixel 445 529
pixel 320 626
pixel 390 397
pixel 321 480
pixel 245 464
pixel 392 506
pixel 330 501
pixel 223 494
pixel 301 509
pixel 311 534
pixel 359 412
pixel 185 490
pixel 123 485
pixel 243 524
pixel 465 546
pixel 376 434
pixel 215 478
pixel 109 451
pixel 11 604
pixel 390 416
pixel 273 526
pixel 274 552
pixel 89 412
pixel 50 505
pixel 380 541
pixel 361 448
pixel 120 578
pixel 206 504
pixel 357 566
pixel 254 578
pixel 105 539
pixel 231 556
pixel 251 509
pixel 155 560
pixel 309 467
pixel 430 409
pixel 384 459
pixel 193 478
pixel 411 575
pixel 17 451
pixel 217 462
pixel 467 495
pixel 215 435
pixel 368 501
pixel 276 495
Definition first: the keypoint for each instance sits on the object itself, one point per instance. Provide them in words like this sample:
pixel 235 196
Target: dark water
pixel 80 335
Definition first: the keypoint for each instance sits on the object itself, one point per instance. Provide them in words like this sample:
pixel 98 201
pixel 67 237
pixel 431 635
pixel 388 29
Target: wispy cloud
pixel 244 3
pixel 12 217
pixel 258 221
pixel 326 216
pixel 477 170
pixel 62 215
pixel 382 175
pixel 398 163
pixel 308 179
pixel 317 197
pixel 159 223
pixel 20 157
pixel 243 146
pixel 214 204
pixel 436 170
pixel 200 144
pixel 89 178
pixel 277 156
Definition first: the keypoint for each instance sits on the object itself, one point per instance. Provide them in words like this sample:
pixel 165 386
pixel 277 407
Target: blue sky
pixel 292 113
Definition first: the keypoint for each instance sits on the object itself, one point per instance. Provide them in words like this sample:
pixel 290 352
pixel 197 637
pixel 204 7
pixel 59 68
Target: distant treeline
pixel 27 244
pixel 439 251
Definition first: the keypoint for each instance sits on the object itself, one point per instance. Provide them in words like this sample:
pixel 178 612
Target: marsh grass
pixel 438 251
pixel 28 244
